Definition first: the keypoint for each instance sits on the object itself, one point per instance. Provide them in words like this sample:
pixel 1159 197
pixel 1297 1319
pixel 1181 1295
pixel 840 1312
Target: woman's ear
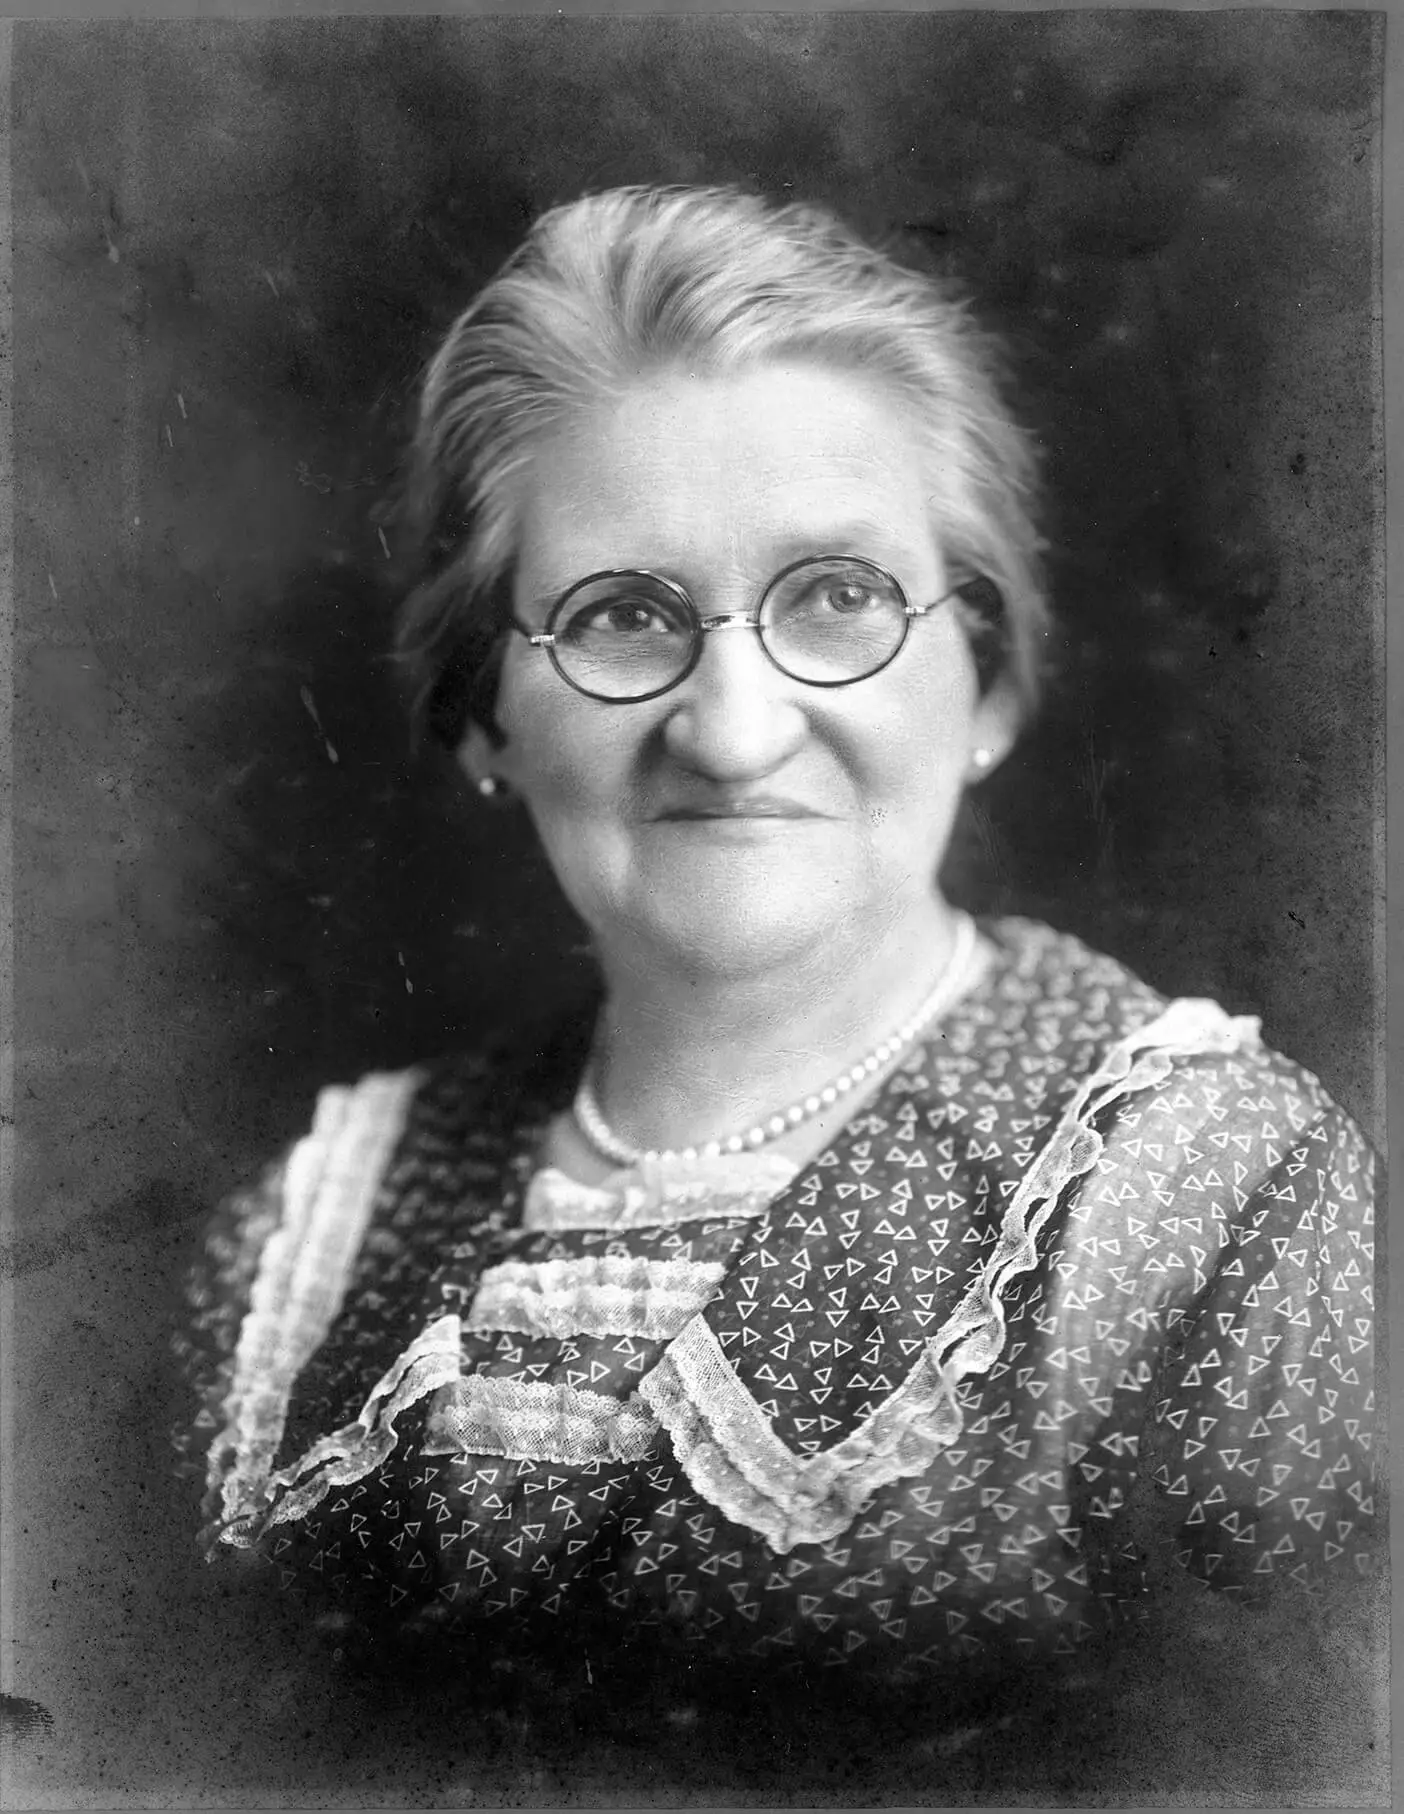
pixel 994 727
pixel 476 756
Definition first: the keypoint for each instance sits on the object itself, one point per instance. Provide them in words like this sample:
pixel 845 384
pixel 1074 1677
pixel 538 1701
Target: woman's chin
pixel 731 914
pixel 732 940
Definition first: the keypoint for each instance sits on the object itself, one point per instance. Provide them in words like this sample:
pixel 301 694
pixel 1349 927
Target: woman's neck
pixel 688 1058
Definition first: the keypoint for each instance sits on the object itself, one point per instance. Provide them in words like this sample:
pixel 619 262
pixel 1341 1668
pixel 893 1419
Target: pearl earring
pixel 489 787
pixel 981 760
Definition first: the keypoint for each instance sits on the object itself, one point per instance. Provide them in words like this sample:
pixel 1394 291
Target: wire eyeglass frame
pixel 701 626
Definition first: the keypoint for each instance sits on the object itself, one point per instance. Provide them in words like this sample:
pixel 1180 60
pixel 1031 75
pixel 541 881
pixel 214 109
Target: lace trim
pixel 723 1440
pixel 328 1191
pixel 598 1296
pixel 357 1449
pixel 301 1283
pixel 214 1289
pixel 656 1194
pixel 530 1421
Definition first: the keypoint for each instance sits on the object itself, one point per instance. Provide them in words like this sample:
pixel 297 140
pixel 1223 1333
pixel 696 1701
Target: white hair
pixel 614 285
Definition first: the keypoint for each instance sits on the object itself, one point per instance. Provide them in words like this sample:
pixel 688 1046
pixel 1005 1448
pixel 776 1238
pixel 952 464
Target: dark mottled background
pixel 233 247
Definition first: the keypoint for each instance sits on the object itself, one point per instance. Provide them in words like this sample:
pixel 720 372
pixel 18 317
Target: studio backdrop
pixel 234 244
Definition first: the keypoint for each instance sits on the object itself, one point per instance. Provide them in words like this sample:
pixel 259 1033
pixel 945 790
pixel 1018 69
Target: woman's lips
pixel 743 806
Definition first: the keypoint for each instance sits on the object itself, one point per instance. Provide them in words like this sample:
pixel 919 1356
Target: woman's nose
pixel 736 716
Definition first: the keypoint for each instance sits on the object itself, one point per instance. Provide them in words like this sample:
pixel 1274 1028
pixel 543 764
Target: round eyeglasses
pixel 627 636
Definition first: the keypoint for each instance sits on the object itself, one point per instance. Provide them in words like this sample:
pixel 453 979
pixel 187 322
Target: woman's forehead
pixel 753 469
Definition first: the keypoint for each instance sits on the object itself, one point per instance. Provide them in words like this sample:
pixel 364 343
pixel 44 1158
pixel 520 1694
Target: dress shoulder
pixel 1059 963
pixel 273 1275
pixel 394 1168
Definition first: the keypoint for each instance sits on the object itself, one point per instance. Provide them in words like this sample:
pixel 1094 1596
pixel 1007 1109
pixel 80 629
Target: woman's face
pixel 743 820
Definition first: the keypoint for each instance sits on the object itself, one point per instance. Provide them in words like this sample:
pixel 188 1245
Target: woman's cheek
pixel 587 854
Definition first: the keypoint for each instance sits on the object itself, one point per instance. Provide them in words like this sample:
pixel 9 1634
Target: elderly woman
pixel 862 1293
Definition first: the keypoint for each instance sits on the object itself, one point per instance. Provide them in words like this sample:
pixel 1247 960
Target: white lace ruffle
pixel 658 1193
pixel 349 1454
pixel 470 1414
pixel 327 1195
pixel 528 1421
pixel 723 1439
pixel 605 1295
pixel 328 1190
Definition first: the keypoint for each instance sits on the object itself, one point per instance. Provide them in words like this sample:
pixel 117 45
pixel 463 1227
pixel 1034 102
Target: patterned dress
pixel 1079 1304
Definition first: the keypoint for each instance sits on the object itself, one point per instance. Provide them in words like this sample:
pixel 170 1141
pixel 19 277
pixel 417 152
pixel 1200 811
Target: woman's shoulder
pixel 1059 987
pixel 1222 1052
pixel 390 1170
pixel 472 1092
pixel 1193 1102
pixel 421 1135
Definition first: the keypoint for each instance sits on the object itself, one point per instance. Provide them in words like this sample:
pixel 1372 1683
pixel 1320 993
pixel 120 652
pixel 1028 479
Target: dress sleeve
pixel 1266 1413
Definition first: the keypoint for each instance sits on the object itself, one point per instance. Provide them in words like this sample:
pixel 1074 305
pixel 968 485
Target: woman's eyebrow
pixel 856 535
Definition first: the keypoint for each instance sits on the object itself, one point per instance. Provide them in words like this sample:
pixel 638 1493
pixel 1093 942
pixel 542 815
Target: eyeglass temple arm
pixel 539 639
pixel 945 598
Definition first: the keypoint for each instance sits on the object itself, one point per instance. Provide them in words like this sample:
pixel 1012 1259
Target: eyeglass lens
pixel 624 636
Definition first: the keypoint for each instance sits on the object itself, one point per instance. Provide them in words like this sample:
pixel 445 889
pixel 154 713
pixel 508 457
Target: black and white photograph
pixel 694 1014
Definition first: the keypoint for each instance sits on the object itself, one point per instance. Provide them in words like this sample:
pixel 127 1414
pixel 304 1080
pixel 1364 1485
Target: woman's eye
pixel 625 617
pixel 847 600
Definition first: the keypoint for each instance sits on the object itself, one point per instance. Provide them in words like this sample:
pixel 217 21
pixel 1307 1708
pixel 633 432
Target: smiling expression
pixel 743 820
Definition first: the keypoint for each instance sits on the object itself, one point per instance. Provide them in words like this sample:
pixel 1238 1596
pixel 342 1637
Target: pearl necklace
pixel 607 1143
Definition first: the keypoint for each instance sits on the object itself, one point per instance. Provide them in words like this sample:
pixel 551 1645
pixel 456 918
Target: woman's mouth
pixel 738 806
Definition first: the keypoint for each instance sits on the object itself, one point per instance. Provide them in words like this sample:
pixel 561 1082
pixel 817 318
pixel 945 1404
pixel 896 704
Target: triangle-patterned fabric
pixel 1089 1281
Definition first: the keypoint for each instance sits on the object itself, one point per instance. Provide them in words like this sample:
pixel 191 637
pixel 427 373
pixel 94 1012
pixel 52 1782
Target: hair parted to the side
pixel 605 289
